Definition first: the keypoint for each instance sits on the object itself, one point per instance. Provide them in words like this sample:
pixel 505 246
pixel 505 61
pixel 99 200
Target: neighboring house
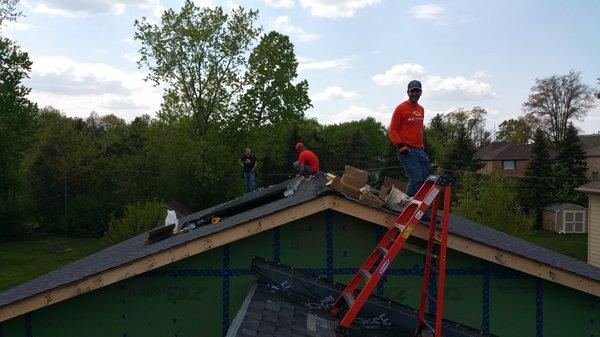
pixel 564 217
pixel 593 191
pixel 591 145
pixel 197 283
pixel 506 158
pixel 512 159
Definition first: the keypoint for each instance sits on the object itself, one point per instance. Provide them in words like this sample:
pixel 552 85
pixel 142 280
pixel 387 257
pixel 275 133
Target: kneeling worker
pixel 307 163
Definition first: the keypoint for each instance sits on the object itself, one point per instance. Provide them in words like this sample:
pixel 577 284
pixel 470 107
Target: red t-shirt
pixel 407 125
pixel 307 157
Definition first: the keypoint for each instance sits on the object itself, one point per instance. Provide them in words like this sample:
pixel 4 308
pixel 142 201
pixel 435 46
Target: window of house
pixel 509 164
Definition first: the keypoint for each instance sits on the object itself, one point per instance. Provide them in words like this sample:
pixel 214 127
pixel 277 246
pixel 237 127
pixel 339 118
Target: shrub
pixel 137 218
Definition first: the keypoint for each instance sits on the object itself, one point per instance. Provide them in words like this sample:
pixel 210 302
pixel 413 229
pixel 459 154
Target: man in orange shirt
pixel 307 163
pixel 406 133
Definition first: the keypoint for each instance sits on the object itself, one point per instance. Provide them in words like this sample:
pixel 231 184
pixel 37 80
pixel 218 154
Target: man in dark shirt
pixel 248 161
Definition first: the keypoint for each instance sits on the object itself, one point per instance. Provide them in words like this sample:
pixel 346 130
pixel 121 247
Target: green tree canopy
pixel 535 191
pixel 515 131
pixel 17 125
pixel 557 100
pixel 272 96
pixel 198 54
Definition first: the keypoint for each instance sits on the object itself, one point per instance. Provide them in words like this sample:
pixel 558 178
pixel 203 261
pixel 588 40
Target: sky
pixel 357 55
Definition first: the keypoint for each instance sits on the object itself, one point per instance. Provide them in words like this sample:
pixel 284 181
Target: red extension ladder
pixel 376 264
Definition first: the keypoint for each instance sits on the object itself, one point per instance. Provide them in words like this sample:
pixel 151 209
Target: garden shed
pixel 564 217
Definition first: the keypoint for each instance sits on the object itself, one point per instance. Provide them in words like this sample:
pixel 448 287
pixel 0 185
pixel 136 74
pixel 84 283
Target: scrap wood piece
pixel 371 199
pixel 159 234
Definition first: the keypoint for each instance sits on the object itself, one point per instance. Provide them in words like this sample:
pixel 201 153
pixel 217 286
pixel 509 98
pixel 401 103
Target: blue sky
pixel 357 55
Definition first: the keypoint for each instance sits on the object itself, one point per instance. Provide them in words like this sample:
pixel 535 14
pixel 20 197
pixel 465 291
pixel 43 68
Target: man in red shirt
pixel 406 133
pixel 307 163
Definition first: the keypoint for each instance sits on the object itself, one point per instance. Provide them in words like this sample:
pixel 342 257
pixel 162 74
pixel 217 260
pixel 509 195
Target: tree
pixel 460 154
pixel 492 200
pixel 556 100
pixel 17 125
pixel 571 168
pixel 598 92
pixel 515 131
pixel 535 191
pixel 272 97
pixel 470 121
pixel 8 10
pixel 198 54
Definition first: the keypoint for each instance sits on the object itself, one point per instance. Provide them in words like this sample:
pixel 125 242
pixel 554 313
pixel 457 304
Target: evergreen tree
pixel 460 155
pixel 535 190
pixel 571 167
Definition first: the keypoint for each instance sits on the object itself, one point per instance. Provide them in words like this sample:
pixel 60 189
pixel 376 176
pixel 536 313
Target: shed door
pixel 573 221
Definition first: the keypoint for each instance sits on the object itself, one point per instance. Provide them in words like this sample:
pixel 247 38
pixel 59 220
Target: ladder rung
pixel 382 250
pixel 399 226
pixel 348 298
pixel 365 274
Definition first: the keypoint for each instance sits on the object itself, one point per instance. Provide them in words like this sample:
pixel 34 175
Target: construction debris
pixel 159 234
pixel 354 184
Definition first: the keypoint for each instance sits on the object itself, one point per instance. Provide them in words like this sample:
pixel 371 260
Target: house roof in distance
pixel 559 206
pixel 505 151
pixel 592 187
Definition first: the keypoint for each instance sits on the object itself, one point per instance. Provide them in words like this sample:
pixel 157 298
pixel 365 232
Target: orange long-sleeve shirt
pixel 407 125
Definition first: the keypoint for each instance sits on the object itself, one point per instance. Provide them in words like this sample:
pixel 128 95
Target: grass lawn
pixel 573 245
pixel 24 260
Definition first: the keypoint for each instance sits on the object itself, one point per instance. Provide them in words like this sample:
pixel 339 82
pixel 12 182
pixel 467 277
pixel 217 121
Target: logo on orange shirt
pixel 417 113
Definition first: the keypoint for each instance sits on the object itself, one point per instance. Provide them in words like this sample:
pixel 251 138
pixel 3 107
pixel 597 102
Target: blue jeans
pixel 305 172
pixel 250 180
pixel 416 168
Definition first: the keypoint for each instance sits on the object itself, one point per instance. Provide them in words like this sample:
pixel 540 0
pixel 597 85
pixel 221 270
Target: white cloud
pixel 79 8
pixel 399 74
pixel 458 88
pixel 204 3
pixel 279 3
pixel 335 8
pixel 7 27
pixel 479 74
pixel 448 88
pixel 312 64
pixel 334 93
pixel 354 113
pixel 429 12
pixel 78 88
pixel 284 25
pixel 131 58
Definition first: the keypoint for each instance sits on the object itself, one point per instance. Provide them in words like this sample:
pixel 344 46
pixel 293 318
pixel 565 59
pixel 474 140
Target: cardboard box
pixel 337 184
pixel 354 177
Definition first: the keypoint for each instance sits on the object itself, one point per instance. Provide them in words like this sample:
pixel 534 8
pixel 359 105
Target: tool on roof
pixel 353 297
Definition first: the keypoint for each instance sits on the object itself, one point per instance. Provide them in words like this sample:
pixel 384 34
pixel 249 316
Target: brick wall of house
pixel 496 166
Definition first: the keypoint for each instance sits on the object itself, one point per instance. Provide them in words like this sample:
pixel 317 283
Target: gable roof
pixel 505 151
pixel 592 187
pixel 132 257
pixel 559 206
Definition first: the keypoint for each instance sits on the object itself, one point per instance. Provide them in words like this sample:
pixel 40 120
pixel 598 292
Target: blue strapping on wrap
pixel 329 244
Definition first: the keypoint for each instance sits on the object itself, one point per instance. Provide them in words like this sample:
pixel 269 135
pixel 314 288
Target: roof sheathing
pixel 134 249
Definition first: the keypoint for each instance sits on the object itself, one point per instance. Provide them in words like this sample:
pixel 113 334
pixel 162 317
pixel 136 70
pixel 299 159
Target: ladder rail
pixel 397 235
pixel 428 266
pixel 442 264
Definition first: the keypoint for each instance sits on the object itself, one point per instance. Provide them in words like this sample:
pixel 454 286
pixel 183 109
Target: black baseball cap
pixel 414 85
